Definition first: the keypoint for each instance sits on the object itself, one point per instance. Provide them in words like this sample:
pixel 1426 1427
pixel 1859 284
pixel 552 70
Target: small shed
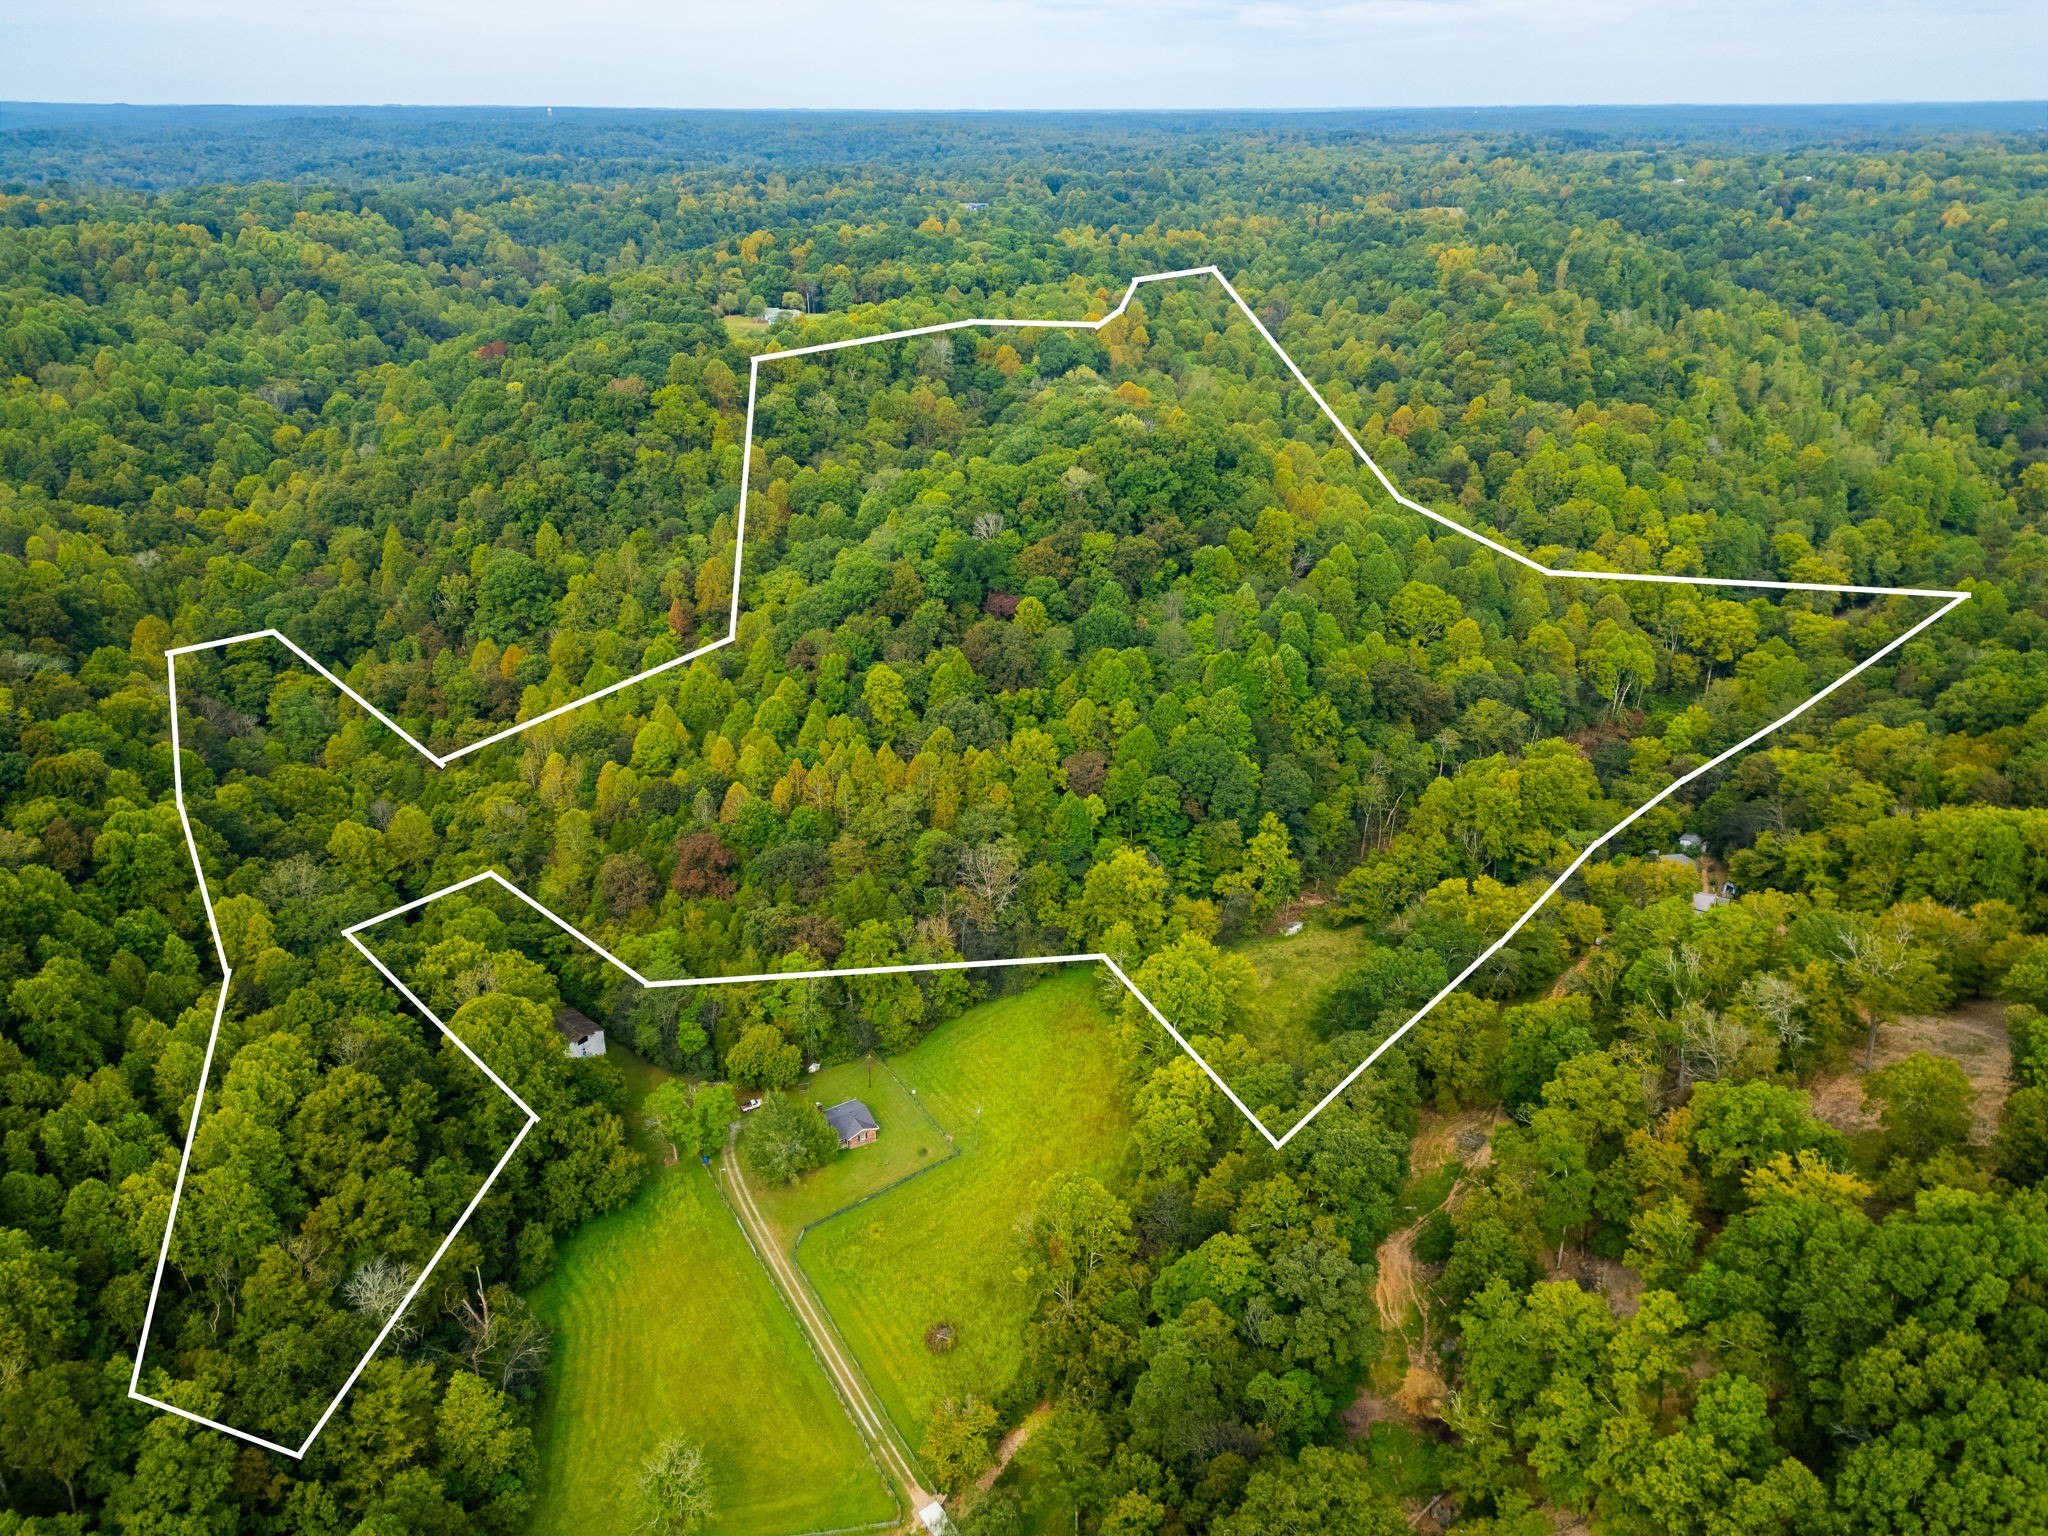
pixel 855 1126
pixel 585 1036
pixel 1706 901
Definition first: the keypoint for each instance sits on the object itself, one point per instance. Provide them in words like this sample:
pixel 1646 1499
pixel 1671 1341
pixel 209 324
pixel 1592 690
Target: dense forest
pixel 1047 641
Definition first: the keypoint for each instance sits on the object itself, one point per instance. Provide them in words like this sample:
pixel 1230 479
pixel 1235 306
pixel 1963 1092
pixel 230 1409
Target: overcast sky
pixel 1022 53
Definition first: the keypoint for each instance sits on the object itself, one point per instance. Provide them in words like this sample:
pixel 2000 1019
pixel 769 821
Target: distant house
pixel 771 313
pixel 585 1037
pixel 856 1127
pixel 1706 901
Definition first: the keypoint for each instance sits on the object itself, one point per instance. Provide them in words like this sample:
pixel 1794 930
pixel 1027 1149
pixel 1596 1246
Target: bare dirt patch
pixel 1400 1289
pixel 1563 984
pixel 1973 1036
pixel 1396 1292
pixel 1366 1409
pixel 1296 911
pixel 1422 1393
pixel 1462 1137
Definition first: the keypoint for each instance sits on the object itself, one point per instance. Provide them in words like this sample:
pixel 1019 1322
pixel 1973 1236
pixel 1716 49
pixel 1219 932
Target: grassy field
pixel 1294 973
pixel 908 1141
pixel 642 1078
pixel 1028 1086
pixel 664 1321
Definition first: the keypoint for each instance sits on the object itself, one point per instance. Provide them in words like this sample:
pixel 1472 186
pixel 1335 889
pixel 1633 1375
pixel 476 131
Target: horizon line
pixel 796 110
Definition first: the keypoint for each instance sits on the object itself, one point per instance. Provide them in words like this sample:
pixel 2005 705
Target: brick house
pixel 856 1127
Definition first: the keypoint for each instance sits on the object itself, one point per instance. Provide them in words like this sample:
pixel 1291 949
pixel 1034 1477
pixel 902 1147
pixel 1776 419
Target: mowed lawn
pixel 665 1322
pixel 910 1140
pixel 945 1247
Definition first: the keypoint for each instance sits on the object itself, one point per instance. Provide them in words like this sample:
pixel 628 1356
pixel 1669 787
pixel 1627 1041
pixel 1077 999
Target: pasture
pixel 664 1321
pixel 1028 1086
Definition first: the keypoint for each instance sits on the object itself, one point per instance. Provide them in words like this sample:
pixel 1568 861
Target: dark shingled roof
pixel 850 1118
pixel 576 1026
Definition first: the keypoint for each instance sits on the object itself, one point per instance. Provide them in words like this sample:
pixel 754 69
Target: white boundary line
pixel 441 760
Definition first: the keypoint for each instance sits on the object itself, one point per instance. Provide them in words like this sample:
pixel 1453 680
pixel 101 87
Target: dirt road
pixel 1011 1444
pixel 1398 1291
pixel 866 1413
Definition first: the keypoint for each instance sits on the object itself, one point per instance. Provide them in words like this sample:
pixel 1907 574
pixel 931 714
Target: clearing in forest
pixel 1029 1087
pixel 1295 972
pixel 1973 1035
pixel 912 1143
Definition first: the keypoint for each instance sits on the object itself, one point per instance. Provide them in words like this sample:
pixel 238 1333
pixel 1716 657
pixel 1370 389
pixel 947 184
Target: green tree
pixel 763 1057
pixel 484 1451
pixel 1739 1127
pixel 672 1116
pixel 675 1487
pixel 1541 1037
pixel 1269 875
pixel 409 838
pixel 1923 1103
pixel 717 1108
pixel 48 1426
pixel 1198 988
pixel 1620 662
pixel 1421 611
pixel 887 701
pixel 956 1442
pixel 64 1014
pixel 1292 1406
pixel 514 600
pixel 786 1139
pixel 2020 1150
pixel 1326 1492
pixel 1123 894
